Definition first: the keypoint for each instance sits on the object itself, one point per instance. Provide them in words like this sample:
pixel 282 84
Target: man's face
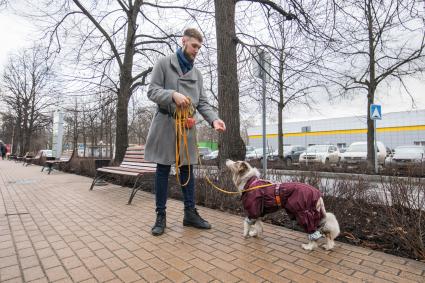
pixel 191 47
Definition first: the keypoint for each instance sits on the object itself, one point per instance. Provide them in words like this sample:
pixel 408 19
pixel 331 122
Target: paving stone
pixel 56 273
pixel 79 274
pixel 103 274
pixel 33 273
pixel 198 275
pixel 10 272
pixel 150 274
pixel 127 274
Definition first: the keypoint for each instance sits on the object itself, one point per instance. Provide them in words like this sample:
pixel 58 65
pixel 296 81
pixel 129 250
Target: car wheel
pixel 288 162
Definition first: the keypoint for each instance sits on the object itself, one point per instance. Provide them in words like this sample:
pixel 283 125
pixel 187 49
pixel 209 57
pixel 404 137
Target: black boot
pixel 158 228
pixel 192 218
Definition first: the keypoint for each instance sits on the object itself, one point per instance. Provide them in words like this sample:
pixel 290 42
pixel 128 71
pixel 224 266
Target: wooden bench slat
pixel 134 159
pixel 134 169
pixel 118 172
pixel 136 163
pixel 139 168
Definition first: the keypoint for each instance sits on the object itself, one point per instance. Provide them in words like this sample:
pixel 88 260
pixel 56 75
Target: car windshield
pixel 317 148
pixel 362 147
pixel 288 148
pixel 409 149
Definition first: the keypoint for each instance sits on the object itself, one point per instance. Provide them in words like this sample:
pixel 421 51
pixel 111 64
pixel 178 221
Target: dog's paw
pixel 310 246
pixel 307 247
pixel 328 247
pixel 253 233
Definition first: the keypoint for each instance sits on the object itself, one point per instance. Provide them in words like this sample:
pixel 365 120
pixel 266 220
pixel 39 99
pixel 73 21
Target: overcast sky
pixel 16 33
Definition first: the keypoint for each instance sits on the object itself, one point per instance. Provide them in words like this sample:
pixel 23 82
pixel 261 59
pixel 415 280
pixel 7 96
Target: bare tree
pixel 231 144
pixel 110 39
pixel 378 41
pixel 294 53
pixel 29 93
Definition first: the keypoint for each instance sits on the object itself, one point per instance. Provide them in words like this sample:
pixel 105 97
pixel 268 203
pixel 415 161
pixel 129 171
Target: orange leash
pixel 181 116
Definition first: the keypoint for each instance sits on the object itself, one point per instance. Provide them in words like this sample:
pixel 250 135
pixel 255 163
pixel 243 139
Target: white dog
pixel 301 201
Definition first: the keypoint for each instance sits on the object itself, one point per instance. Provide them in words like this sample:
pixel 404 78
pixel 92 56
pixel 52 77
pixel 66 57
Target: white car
pixel 257 154
pixel 356 154
pixel 211 156
pixel 407 155
pixel 322 153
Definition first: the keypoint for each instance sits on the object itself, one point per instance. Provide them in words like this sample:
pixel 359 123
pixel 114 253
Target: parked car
pixel 356 154
pixel 203 151
pixel 291 154
pixel 406 156
pixel 322 153
pixel 47 152
pixel 211 156
pixel 257 153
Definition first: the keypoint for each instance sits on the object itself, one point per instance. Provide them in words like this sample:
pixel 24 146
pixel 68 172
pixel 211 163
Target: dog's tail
pixel 320 206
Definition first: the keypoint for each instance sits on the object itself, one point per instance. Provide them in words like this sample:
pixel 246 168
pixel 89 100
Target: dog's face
pixel 241 172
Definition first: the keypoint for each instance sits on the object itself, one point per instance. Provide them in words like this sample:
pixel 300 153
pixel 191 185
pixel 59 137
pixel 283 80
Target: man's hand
pixel 180 99
pixel 219 125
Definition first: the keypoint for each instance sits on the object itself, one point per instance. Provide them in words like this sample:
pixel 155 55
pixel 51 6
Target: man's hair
pixel 192 32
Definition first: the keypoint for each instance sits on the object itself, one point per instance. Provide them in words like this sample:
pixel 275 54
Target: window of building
pixel 422 143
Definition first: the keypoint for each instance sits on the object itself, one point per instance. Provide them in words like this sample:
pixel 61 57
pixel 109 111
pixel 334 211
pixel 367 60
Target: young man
pixel 174 80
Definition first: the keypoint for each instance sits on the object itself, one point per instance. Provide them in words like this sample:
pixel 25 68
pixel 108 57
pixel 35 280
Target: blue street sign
pixel 375 112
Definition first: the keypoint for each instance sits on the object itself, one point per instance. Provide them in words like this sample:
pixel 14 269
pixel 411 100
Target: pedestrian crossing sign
pixel 375 112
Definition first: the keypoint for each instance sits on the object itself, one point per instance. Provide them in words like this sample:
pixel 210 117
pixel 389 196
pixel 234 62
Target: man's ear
pixel 184 40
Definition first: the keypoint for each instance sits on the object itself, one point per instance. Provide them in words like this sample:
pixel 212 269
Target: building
pixel 396 128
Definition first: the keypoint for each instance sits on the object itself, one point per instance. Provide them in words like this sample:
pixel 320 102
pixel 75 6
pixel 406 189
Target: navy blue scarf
pixel 184 63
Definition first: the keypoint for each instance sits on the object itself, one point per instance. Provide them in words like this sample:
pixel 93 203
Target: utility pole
pixel 262 66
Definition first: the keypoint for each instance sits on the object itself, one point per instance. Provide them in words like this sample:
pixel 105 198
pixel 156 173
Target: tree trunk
pixel 126 81
pixel 231 144
pixel 121 139
pixel 371 90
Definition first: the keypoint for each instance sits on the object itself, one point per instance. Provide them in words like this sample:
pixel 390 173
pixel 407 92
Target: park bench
pixel 133 165
pixel 20 158
pixel 30 159
pixel 65 159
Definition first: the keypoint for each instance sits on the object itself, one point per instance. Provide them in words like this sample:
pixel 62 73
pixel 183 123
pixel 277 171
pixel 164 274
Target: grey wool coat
pixel 166 78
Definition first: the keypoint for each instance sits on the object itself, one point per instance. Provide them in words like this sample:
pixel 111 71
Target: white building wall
pixel 391 139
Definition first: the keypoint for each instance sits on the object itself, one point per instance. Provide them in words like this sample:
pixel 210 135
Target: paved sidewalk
pixel 53 229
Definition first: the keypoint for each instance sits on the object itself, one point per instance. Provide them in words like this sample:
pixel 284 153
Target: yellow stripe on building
pixel 344 132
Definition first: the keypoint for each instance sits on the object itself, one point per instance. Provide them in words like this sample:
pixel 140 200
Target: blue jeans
pixel 161 186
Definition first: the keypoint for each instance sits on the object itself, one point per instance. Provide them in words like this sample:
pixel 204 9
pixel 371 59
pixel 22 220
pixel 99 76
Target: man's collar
pixel 191 75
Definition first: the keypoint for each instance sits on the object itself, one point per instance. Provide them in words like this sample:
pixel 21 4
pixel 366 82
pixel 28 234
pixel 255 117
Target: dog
pixel 301 202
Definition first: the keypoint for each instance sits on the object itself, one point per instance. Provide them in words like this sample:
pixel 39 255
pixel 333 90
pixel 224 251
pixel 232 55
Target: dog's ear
pixel 243 168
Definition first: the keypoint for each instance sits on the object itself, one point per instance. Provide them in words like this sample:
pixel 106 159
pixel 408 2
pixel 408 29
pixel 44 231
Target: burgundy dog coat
pixel 298 199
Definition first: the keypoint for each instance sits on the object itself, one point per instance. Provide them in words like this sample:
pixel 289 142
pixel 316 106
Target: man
pixel 174 80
